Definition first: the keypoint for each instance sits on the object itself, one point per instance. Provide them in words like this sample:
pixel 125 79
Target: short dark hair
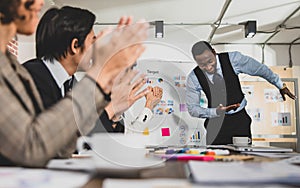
pixel 199 47
pixel 58 27
pixel 9 10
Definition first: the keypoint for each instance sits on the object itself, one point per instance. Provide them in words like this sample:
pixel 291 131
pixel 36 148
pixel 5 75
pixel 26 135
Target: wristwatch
pixel 284 86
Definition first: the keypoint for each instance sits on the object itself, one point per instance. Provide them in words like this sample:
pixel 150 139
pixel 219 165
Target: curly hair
pixel 9 10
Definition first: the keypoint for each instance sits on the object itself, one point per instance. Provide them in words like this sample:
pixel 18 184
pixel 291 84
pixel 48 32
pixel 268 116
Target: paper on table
pixel 104 167
pixel 149 183
pixel 293 160
pixel 78 164
pixel 244 173
pixel 166 183
pixel 13 177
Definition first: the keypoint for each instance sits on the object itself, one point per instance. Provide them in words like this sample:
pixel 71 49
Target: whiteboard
pixel 171 113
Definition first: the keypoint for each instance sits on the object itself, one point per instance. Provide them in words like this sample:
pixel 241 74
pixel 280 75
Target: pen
pixel 171 151
pixel 189 157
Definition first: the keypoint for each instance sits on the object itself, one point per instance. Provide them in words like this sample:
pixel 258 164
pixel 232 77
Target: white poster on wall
pixel 171 123
pixel 248 90
pixel 272 95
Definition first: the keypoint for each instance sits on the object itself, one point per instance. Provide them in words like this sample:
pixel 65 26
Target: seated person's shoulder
pixel 35 66
pixel 32 62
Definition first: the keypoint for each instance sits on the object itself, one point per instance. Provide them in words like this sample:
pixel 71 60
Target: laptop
pixel 250 148
pixel 262 149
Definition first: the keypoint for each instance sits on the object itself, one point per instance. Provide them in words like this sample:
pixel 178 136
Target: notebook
pixel 243 173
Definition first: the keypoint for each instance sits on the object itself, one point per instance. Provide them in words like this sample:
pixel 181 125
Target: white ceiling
pixel 194 18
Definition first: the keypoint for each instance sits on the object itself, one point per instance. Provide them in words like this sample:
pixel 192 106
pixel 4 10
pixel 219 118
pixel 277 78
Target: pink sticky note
pixel 165 131
pixel 182 107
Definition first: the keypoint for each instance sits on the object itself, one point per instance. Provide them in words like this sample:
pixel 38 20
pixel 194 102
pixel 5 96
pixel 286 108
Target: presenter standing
pixel 217 76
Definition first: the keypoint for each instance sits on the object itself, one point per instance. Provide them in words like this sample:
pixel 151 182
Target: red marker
pixel 189 157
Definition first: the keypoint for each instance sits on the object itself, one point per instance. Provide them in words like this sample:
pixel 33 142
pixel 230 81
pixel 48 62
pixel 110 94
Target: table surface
pixel 172 169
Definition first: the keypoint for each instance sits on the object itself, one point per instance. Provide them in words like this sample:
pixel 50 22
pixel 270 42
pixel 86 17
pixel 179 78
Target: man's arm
pixel 30 140
pixel 250 66
pixel 193 98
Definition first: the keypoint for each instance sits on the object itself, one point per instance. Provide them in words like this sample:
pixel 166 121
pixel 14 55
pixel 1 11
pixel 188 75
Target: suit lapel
pixel 12 78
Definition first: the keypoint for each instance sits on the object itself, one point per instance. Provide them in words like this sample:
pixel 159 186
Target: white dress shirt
pixel 58 72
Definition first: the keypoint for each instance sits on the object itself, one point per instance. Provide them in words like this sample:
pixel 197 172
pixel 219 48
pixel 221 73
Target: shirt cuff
pixel 145 115
pixel 280 84
pixel 106 96
pixel 213 112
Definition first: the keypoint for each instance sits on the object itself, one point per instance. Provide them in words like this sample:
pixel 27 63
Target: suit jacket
pixel 31 136
pixel 44 81
pixel 51 93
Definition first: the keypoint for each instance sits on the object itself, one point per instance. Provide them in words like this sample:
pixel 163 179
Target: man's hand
pixel 116 52
pixel 222 109
pixel 153 97
pixel 124 21
pixel 125 92
pixel 87 62
pixel 285 91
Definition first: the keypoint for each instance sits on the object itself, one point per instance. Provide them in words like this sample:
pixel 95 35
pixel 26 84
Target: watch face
pixel 284 85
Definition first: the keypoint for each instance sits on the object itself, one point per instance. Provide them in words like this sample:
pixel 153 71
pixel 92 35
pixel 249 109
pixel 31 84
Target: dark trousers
pixel 221 130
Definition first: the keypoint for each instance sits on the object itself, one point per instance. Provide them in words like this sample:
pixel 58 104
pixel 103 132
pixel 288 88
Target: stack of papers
pixel 102 166
pixel 244 173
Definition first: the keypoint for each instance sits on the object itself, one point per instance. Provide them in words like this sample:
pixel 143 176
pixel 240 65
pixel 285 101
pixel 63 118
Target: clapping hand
pixel 153 97
pixel 117 52
pixel 125 92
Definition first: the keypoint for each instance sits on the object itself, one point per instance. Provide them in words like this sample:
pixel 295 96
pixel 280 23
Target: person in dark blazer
pixel 62 37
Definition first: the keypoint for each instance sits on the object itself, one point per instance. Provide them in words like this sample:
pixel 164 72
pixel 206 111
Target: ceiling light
pixel 250 29
pixel 159 29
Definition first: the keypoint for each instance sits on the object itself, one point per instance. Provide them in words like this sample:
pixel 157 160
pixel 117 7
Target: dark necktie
pixel 218 81
pixel 68 84
pixel 219 90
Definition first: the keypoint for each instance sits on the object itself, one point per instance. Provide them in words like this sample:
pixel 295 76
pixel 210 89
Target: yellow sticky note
pixel 146 131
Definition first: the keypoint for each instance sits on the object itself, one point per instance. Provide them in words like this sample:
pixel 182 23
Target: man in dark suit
pixel 62 37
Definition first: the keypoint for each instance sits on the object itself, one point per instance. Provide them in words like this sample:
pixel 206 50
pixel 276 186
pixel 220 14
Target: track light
pixel 250 29
pixel 159 29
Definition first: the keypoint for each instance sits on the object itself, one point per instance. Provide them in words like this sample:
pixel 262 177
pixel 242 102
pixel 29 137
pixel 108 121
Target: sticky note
pixel 182 107
pixel 165 131
pixel 146 131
